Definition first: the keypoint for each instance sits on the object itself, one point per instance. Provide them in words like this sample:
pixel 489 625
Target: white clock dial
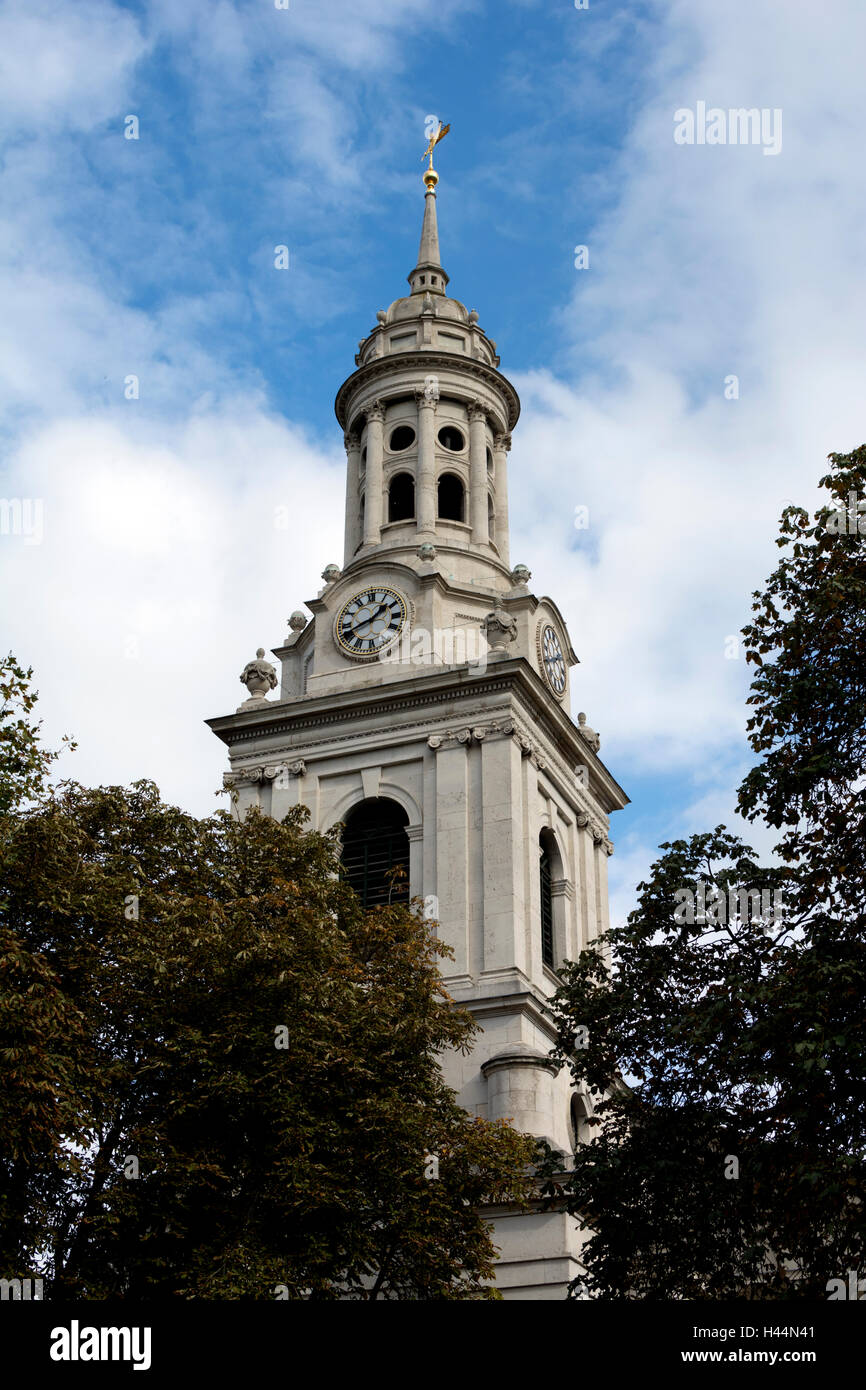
pixel 553 660
pixel 370 621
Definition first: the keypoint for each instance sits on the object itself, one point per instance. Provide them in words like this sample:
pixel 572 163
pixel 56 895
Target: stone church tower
pixel 426 706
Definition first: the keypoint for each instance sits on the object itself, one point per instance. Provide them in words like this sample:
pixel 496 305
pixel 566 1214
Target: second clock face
pixel 554 662
pixel 369 621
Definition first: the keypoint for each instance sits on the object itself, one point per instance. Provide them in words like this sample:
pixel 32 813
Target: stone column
pixel 521 1089
pixel 478 474
pixel 425 490
pixel 501 446
pixel 353 497
pixel 375 455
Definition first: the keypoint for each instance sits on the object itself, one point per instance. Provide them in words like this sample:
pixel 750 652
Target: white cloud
pixel 161 570
pixel 65 65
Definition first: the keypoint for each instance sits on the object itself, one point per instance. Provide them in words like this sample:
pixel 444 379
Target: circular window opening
pixel 403 437
pixel 451 438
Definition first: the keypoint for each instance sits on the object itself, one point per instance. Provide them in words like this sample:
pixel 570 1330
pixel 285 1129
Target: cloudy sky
pixel 159 568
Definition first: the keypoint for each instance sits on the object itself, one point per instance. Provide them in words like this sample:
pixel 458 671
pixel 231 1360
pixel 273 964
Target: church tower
pixel 426 707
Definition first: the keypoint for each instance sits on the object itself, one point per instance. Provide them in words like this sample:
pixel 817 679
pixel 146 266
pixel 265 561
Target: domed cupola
pixel 427 420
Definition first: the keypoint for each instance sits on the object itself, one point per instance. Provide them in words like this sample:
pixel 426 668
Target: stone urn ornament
pixel 259 677
pixel 520 575
pixel 499 628
pixel 427 552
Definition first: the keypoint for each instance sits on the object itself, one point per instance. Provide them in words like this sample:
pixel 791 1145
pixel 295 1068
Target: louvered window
pixel 374 844
pixel 546 910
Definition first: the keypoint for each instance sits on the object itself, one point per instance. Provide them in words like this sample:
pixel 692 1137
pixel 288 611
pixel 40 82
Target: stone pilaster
pixel 501 447
pixel 478 474
pixel 375 456
pixel 353 495
pixel 425 490
pixel 452 847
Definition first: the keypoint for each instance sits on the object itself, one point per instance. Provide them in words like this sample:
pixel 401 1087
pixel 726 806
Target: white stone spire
pixel 428 276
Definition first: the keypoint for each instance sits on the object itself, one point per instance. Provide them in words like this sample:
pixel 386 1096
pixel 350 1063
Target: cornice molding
pixel 452 686
pixel 382 367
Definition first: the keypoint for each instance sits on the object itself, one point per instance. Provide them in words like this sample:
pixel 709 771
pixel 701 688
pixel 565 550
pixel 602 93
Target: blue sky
pixel 160 569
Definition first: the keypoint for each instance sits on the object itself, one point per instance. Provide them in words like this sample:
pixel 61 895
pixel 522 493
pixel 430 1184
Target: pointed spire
pixel 428 277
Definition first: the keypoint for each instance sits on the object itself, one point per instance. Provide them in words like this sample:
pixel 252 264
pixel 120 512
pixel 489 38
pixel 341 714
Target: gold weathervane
pixel 434 141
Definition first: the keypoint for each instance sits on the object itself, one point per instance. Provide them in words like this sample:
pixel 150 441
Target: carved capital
pixel 375 412
pixel 477 411
pixel 503 442
pixel 351 442
pixel 243 776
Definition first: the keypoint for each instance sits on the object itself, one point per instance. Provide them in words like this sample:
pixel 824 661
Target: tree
pixel 238 1093
pixel 37 1020
pixel 24 763
pixel 725 1050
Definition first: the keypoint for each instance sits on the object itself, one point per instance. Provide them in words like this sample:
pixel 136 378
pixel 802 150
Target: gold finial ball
pixel 431 178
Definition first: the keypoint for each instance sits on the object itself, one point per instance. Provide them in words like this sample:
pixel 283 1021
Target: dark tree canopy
pixel 725 1051
pixel 221 1075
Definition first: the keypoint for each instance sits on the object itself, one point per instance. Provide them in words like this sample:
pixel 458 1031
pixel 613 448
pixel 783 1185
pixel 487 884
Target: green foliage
pixel 24 763
pixel 150 963
pixel 808 641
pixel 727 1060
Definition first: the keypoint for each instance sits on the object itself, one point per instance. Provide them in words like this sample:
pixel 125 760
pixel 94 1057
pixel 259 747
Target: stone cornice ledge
pixel 452 684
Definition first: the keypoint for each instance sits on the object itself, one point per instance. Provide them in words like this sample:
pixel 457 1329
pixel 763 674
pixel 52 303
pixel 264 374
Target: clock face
pixel 553 660
pixel 369 621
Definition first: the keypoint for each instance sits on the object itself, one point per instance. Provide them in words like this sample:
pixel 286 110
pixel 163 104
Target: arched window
pixel 374 844
pixel 450 497
pixel 401 497
pixel 491 520
pixel 546 904
pixel 580 1117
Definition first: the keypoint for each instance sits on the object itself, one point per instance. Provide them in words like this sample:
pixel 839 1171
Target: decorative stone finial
pixel 473 315
pixel 427 552
pixel 590 736
pixel 427 304
pixel 330 573
pixel 499 628
pixel 298 621
pixel 381 316
pixel 520 575
pixel 258 676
